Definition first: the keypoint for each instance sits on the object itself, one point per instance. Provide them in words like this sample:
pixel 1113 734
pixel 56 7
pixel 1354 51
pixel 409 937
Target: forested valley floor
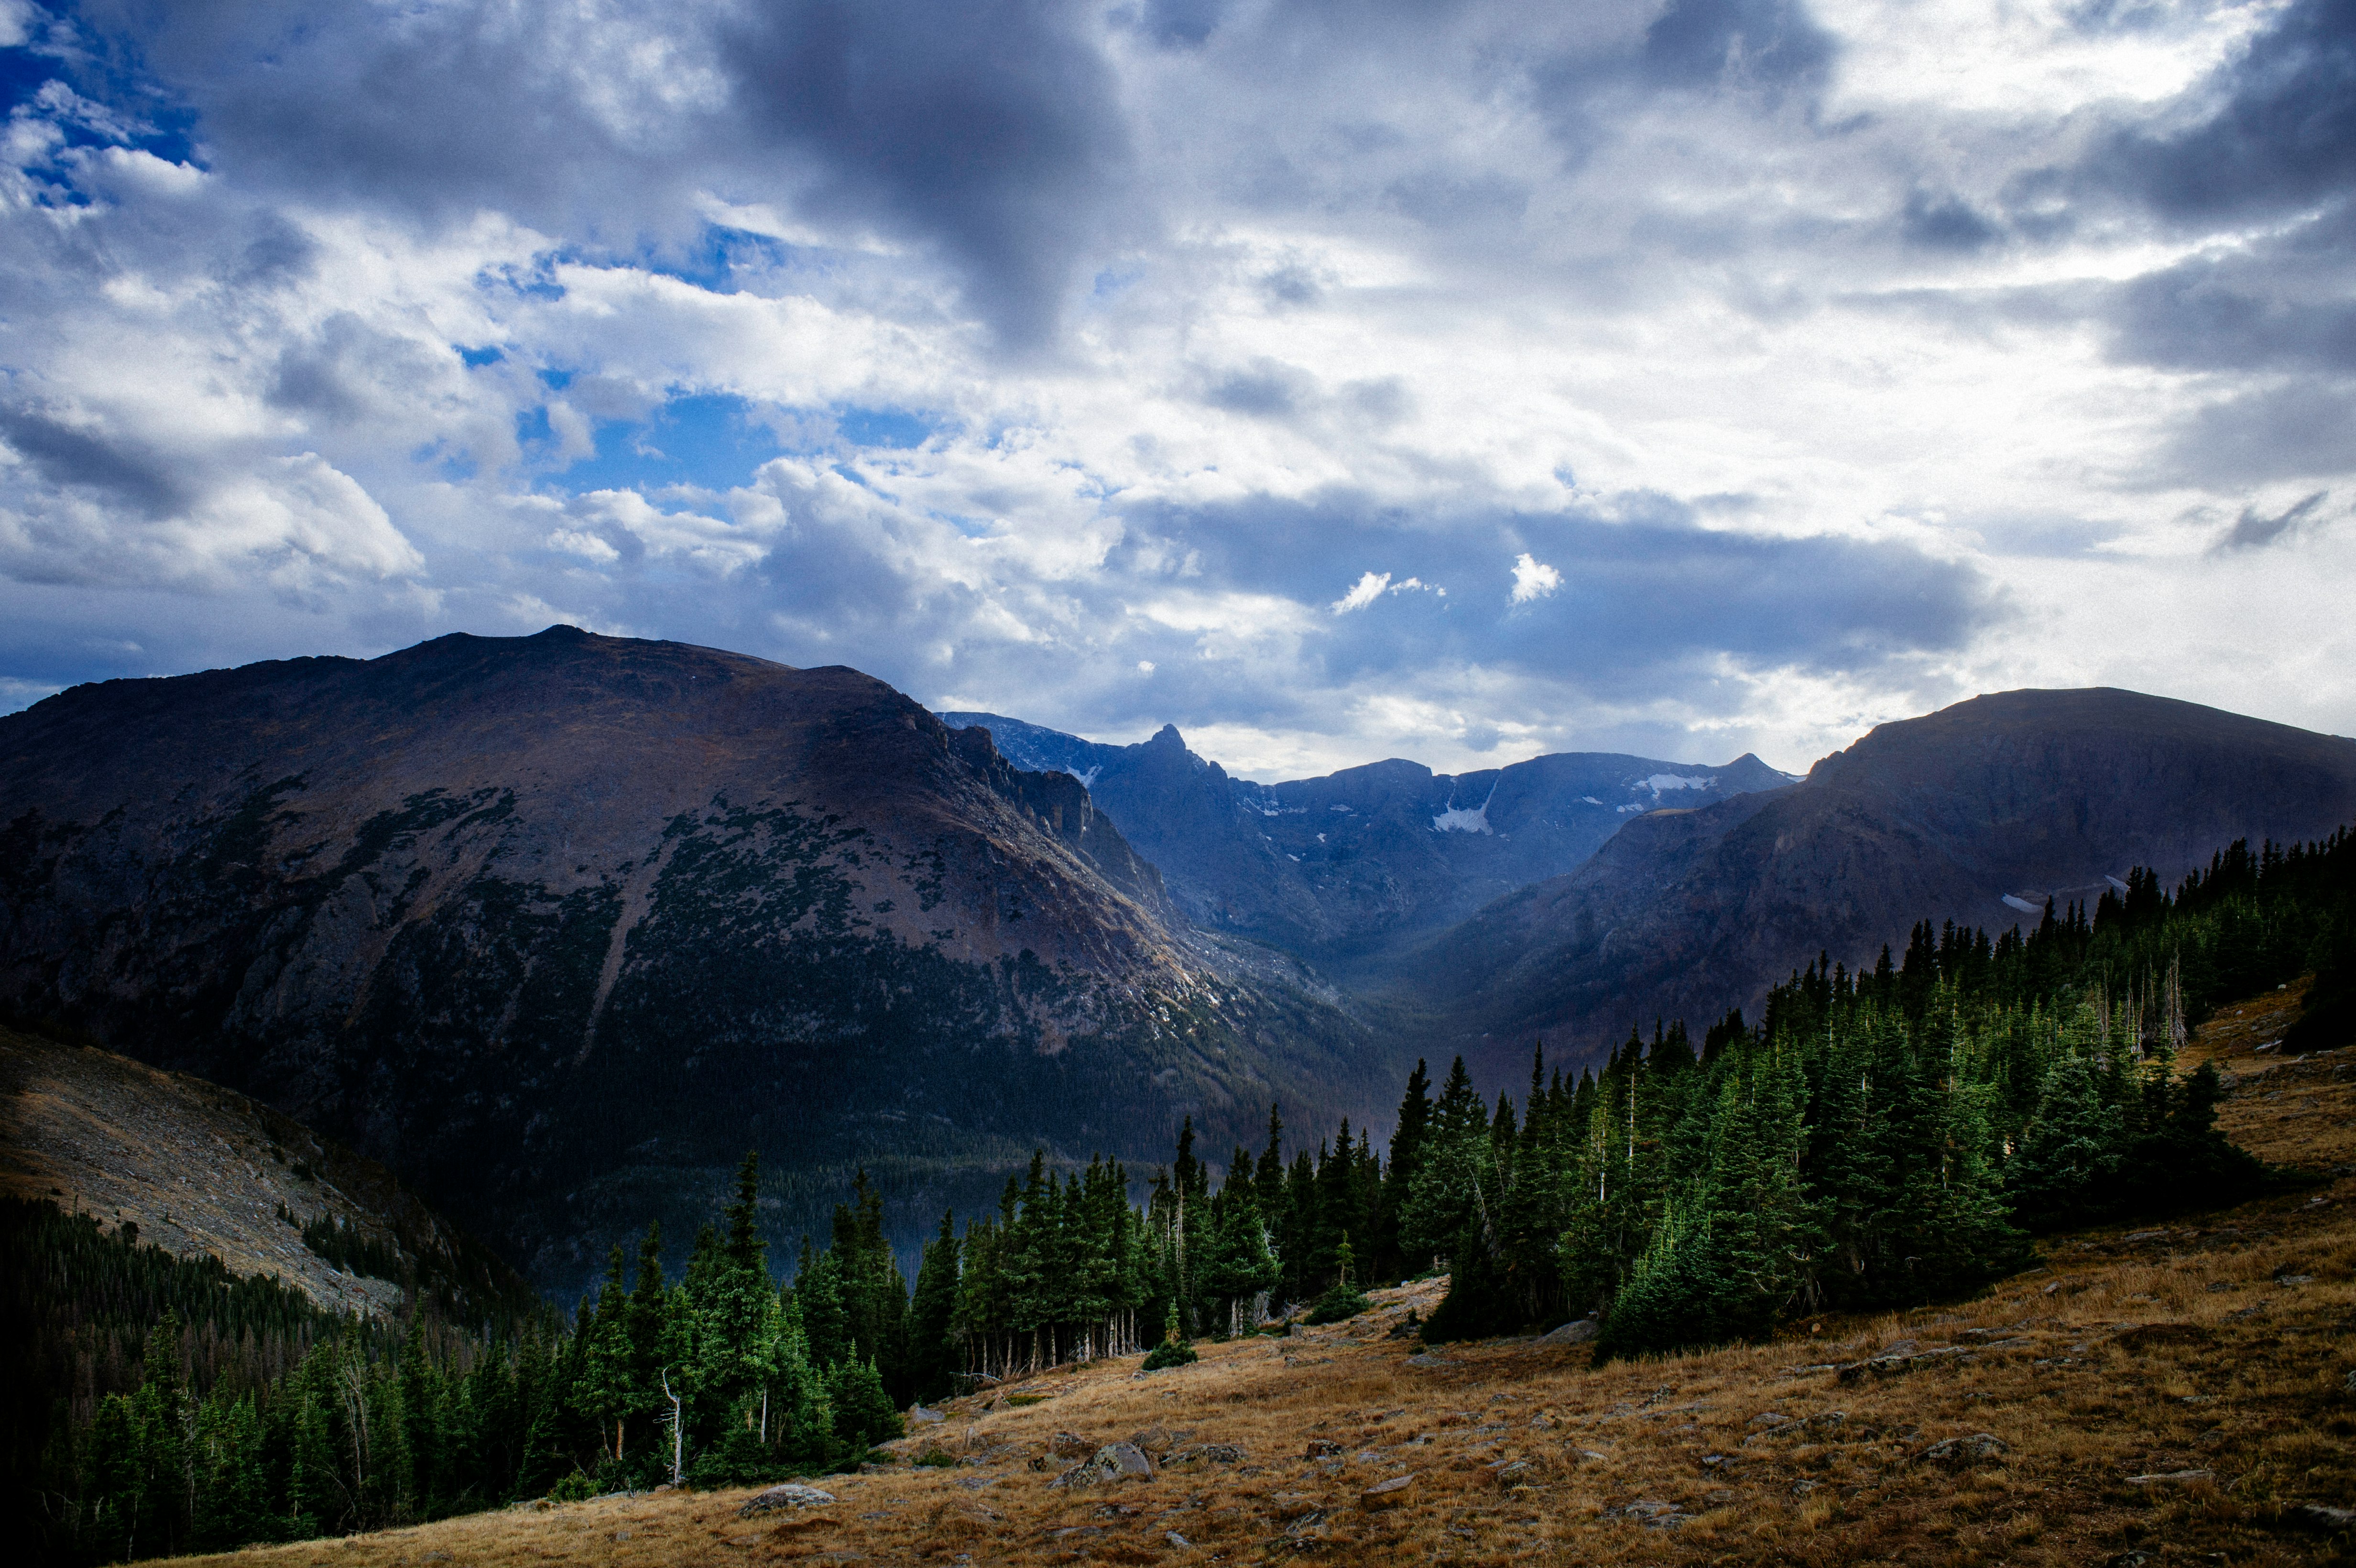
pixel 2153 1394
pixel 1869 1168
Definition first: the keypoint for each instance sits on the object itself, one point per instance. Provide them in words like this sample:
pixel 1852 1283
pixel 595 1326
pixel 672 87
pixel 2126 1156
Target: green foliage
pixel 1882 1138
pixel 1342 1300
pixel 1337 1305
pixel 1170 1354
pixel 863 1415
pixel 573 1489
pixel 352 1249
pixel 248 1416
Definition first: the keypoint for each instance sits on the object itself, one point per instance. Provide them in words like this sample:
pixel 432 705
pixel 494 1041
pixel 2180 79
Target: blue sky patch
pixel 892 428
pixel 708 439
pixel 111 105
pixel 717 254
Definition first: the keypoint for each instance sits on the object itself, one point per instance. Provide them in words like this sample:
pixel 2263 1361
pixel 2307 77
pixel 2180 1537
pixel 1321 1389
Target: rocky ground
pixel 196 1167
pixel 2164 1394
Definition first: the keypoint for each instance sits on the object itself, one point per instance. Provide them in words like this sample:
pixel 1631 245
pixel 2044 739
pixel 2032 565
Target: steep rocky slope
pixel 193 1167
pixel 1978 814
pixel 1340 868
pixel 557 926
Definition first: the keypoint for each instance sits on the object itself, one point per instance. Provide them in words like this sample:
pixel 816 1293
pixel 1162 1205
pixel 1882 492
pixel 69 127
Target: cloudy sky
pixel 1336 379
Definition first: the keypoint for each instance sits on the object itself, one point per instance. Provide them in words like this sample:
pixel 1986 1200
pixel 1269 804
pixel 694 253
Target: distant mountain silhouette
pixel 556 927
pixel 1340 868
pixel 1977 813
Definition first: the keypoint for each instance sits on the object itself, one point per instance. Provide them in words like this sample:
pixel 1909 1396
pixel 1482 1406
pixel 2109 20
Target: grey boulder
pixel 1113 1462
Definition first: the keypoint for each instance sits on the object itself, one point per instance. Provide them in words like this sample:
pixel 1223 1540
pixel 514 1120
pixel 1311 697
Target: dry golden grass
pixel 2132 1352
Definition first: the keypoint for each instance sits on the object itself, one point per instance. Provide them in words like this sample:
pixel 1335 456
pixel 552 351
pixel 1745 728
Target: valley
pixel 2142 1395
pixel 1345 870
pixel 513 916
pixel 1584 899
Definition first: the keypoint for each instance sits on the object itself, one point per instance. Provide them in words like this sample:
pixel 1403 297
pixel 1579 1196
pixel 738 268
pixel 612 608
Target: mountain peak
pixel 1168 736
pixel 680 876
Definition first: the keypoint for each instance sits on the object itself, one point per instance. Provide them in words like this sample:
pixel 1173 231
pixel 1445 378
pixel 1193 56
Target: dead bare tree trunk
pixel 678 1431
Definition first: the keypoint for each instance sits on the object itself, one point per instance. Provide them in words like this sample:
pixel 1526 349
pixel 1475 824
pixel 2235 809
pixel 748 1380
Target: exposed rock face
pixel 1339 869
pixel 2025 794
pixel 566 920
pixel 194 1168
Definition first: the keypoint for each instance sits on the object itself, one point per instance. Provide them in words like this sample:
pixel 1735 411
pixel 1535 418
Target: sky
pixel 1457 381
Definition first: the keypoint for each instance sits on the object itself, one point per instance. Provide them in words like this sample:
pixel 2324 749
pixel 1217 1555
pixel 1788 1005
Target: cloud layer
pixel 1459 381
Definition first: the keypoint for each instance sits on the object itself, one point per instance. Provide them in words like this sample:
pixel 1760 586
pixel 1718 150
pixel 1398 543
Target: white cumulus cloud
pixel 1533 579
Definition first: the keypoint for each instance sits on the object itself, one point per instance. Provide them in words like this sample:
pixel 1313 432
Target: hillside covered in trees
pixel 1878 1139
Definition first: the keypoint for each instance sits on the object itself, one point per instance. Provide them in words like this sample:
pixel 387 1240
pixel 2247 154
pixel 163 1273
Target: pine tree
pixel 1407 1135
pixel 933 1356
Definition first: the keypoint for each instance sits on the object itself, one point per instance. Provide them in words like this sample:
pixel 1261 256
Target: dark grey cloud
pixel 1637 598
pixel 1266 389
pixel 2254 530
pixel 2282 302
pixel 463 107
pixel 2268 435
pixel 1446 200
pixel 1947 223
pixel 2285 134
pixel 2193 318
pixel 1772 43
pixel 77 457
pixel 991 128
pixel 988 132
pixel 1180 22
pixel 347 369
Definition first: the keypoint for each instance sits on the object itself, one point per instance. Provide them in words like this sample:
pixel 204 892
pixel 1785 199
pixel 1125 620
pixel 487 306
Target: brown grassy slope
pixel 197 1167
pixel 2195 1352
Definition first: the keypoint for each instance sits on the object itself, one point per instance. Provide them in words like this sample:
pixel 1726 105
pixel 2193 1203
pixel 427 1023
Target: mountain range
pixel 556 927
pixel 1980 813
pixel 1565 899
pixel 1340 869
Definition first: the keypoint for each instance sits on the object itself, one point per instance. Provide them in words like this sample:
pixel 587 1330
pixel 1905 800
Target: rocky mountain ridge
pixel 557 925
pixel 1977 813
pixel 1343 867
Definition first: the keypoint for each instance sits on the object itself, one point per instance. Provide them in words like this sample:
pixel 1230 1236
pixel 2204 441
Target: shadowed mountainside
pixel 196 1169
pixel 1978 814
pixel 1341 868
pixel 557 926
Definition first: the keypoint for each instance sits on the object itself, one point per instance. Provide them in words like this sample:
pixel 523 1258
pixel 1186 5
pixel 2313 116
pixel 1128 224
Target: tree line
pixel 1876 1139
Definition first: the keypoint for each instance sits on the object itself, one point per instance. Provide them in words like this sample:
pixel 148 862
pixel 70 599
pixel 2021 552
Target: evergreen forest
pixel 1875 1138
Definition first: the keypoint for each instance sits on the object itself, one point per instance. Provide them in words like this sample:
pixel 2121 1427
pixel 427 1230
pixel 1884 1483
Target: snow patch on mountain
pixel 1660 783
pixel 1455 818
